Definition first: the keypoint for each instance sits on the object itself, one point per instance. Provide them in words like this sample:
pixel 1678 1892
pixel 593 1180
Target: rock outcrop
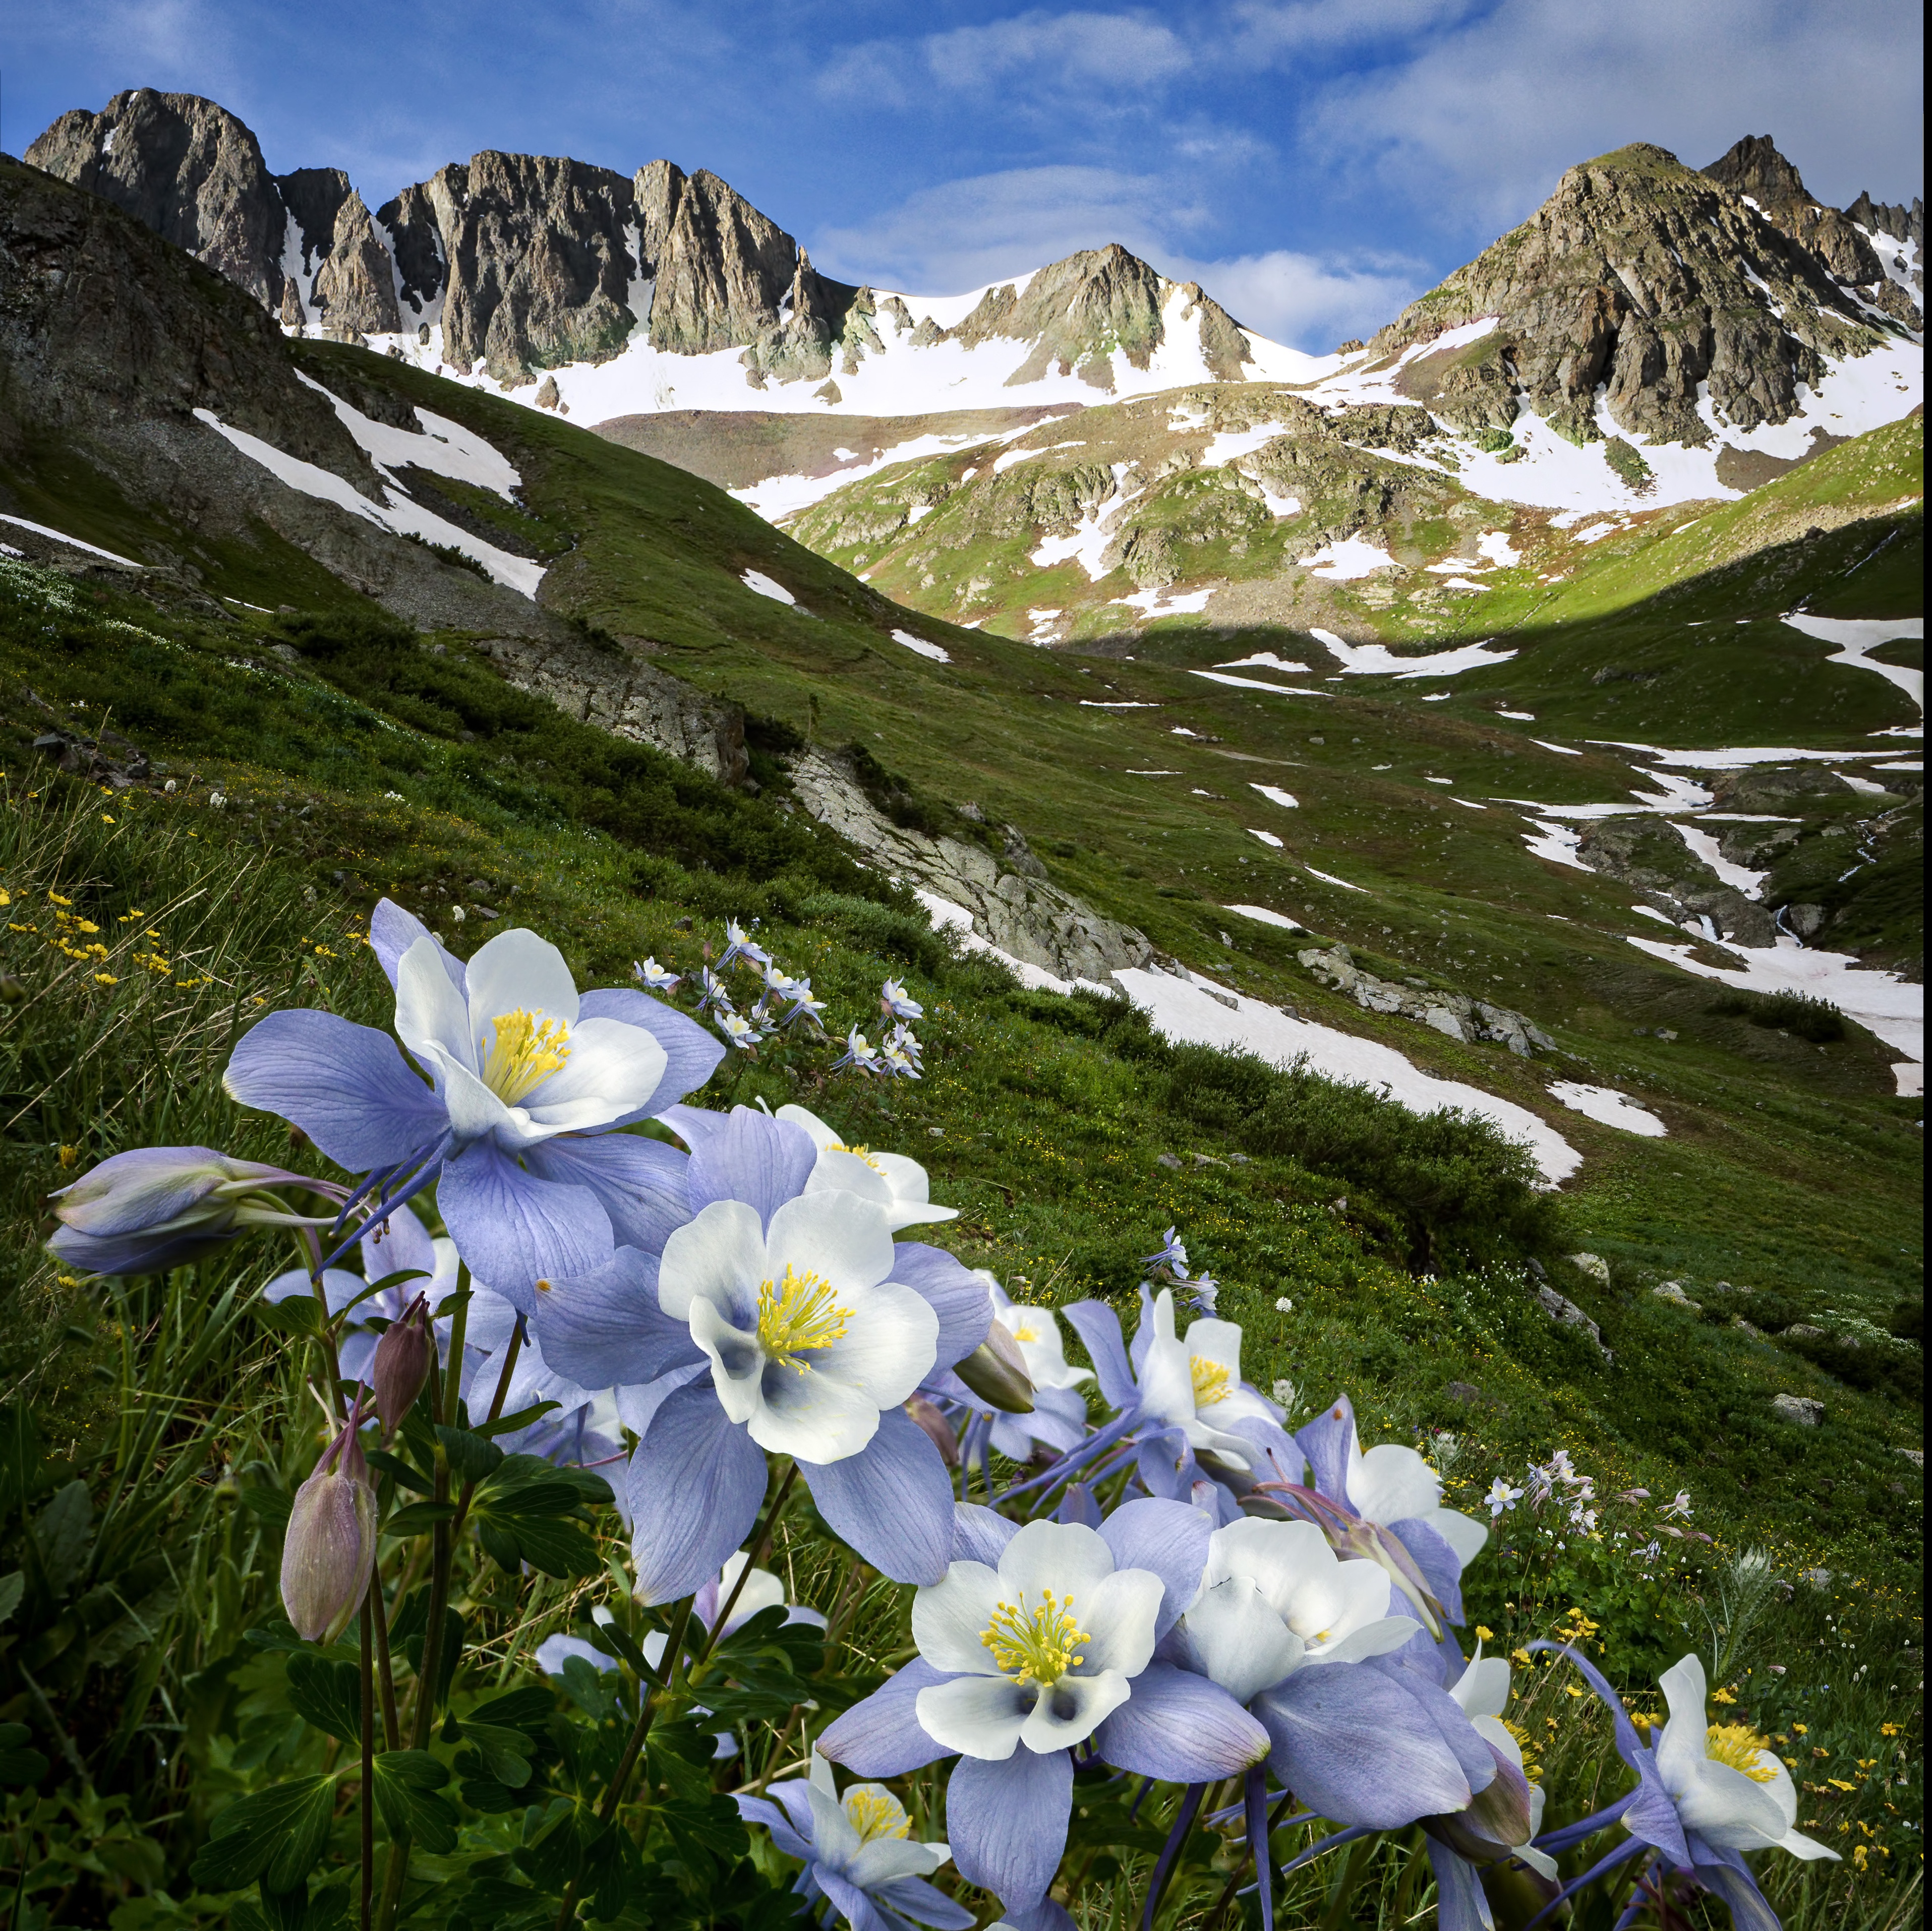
pixel 1013 904
pixel 350 276
pixel 1646 852
pixel 1755 169
pixel 720 269
pixel 185 167
pixel 1639 285
pixel 1454 1014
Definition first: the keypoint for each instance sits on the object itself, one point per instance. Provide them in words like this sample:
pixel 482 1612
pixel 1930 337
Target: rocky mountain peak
pixel 720 269
pixel 351 282
pixel 185 167
pixel 1638 280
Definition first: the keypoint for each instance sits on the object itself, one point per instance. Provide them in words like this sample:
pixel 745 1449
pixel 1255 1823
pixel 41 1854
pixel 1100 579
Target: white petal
pixel 429 1011
pixel 1073 1709
pixel 811 1416
pixel 889 1344
pixel 1463 1533
pixel 818 1772
pixel 834 1172
pixel 1483 1689
pixel 1809 1848
pixel 1063 1556
pixel 1041 1347
pixel 612 1070
pixel 950 1618
pixel 475 1111
pixel 719 1256
pixel 516 971
pixel 1495 1733
pixel 885 1858
pixel 738 1363
pixel 977 1716
pixel 1682 1747
pixel 1392 1483
pixel 906 1178
pixel 762 1590
pixel 1282 1557
pixel 834 1841
pixel 822 1136
pixel 1219 1341
pixel 1377 1638
pixel 1166 1375
pixel 846 1241
pixel 1233 1637
pixel 1729 1810
pixel 1118 1612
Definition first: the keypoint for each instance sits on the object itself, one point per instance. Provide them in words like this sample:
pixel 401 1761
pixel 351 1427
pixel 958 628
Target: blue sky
pixel 1313 162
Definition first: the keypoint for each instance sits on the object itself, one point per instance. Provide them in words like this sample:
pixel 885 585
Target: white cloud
pixel 1477 122
pixel 1308 301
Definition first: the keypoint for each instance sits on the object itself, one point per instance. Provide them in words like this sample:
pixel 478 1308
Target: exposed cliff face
pixel 1075 313
pixel 1755 169
pixel 351 284
pixel 1643 278
pixel 416 246
pixel 720 270
pixel 185 168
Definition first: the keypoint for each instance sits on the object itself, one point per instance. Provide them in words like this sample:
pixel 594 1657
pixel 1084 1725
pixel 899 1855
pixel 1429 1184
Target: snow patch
pixel 767 586
pixel 1329 878
pixel 924 649
pixel 1266 838
pixel 1377 660
pixel 1275 795
pixel 72 542
pixel 1255 683
pixel 1264 660
pixel 1263 917
pixel 1750 883
pixel 1609 1108
pixel 442 447
pixel 1352 557
pixel 1857 637
pixel 1557 843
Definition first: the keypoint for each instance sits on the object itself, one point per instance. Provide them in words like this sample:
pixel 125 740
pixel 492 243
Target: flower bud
pixel 404 1357
pixel 330 1548
pixel 1496 1822
pixel 929 1418
pixel 155 1207
pixel 996 1372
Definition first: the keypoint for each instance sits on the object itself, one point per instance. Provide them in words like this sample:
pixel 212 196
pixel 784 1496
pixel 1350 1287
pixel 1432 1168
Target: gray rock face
pixel 539 269
pixel 1453 1014
pixel 818 314
pixel 1566 1313
pixel 1755 168
pixel 1644 852
pixel 1027 916
pixel 630 699
pixel 352 283
pixel 1636 278
pixel 185 168
pixel 415 244
pixel 1807 1413
pixel 720 269
pixel 1884 217
pixel 1075 313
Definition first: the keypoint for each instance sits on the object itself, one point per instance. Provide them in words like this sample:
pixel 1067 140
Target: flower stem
pixel 368 1819
pixel 385 1674
pixel 495 1409
pixel 441 1548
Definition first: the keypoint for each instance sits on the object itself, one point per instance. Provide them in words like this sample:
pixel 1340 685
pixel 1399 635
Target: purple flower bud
pixel 330 1548
pixel 996 1372
pixel 929 1418
pixel 156 1207
pixel 404 1357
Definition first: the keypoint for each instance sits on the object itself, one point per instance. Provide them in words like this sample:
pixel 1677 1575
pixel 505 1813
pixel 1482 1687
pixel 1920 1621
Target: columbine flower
pixel 714 996
pixel 1706 1793
pixel 739 1031
pixel 897 1184
pixel 860 1054
pixel 902 1042
pixel 1501 1496
pixel 655 977
pixel 1020 1663
pixel 896 1002
pixel 328 1549
pixel 739 944
pixel 1398 1497
pixel 1583 1518
pixel 1059 1416
pixel 804 1005
pixel 156 1207
pixel 1173 1253
pixel 1680 1508
pixel 530 1079
pixel 858 1851
pixel 779 984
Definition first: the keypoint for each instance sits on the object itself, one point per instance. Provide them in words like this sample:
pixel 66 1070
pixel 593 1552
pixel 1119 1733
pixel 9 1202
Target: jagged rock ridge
pixel 1643 279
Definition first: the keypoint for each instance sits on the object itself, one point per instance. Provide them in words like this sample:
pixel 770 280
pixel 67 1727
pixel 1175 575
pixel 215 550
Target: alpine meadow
pixel 830 1107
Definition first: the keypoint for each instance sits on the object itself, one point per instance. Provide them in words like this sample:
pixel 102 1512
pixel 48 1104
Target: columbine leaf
pixel 505 1753
pixel 473 1457
pixel 329 1695
pixel 407 1784
pixel 269 1506
pixel 418 1518
pixel 523 1418
pixel 12 1588
pixel 277 1835
pixel 64 1533
pixel 399 1471
pixel 19 1761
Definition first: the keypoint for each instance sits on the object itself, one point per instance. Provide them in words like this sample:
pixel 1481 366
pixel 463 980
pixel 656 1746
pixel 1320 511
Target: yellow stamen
pixel 859 1153
pixel 798 1315
pixel 524 1052
pixel 1525 1743
pixel 1741 1747
pixel 875 1813
pixel 1028 1332
pixel 1210 1381
pixel 1036 1645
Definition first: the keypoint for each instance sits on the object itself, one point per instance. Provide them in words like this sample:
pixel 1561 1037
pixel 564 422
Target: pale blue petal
pixel 756 1810
pixel 1726 1873
pixel 849 1901
pixel 348 1087
pixel 1169 1538
pixel 1181 1729
pixel 1437 1560
pixel 393 931
pixel 965 1307
pixel 1326 1440
pixel 1357 1748
pixel 760 1161
pixel 696 1482
pixel 1006 1822
pixel 1078 1505
pixel 1465 1744
pixel 893 1501
pixel 640 1183
pixel 515 1230
pixel 881 1737
pixel 913 1897
pixel 606 1329
pixel 980 1535
pixel 1099 1327
pixel 1460 1905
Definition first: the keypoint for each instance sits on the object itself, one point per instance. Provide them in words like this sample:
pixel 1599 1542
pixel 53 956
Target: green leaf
pixel 12 1588
pixel 398 1470
pixel 529 1709
pixel 558 1548
pixel 418 1518
pixel 63 1533
pixel 270 1507
pixel 297 1314
pixel 505 1753
pixel 473 1457
pixel 277 1835
pixel 523 1418
pixel 407 1784
pixel 329 1695
pixel 19 1761
pixel 594 1691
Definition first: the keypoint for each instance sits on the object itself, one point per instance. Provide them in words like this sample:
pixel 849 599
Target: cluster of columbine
pixel 1180 1589
pixel 1558 1482
pixel 784 1002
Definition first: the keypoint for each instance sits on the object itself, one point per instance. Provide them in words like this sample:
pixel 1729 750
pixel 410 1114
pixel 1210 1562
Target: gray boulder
pixel 1800 1409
